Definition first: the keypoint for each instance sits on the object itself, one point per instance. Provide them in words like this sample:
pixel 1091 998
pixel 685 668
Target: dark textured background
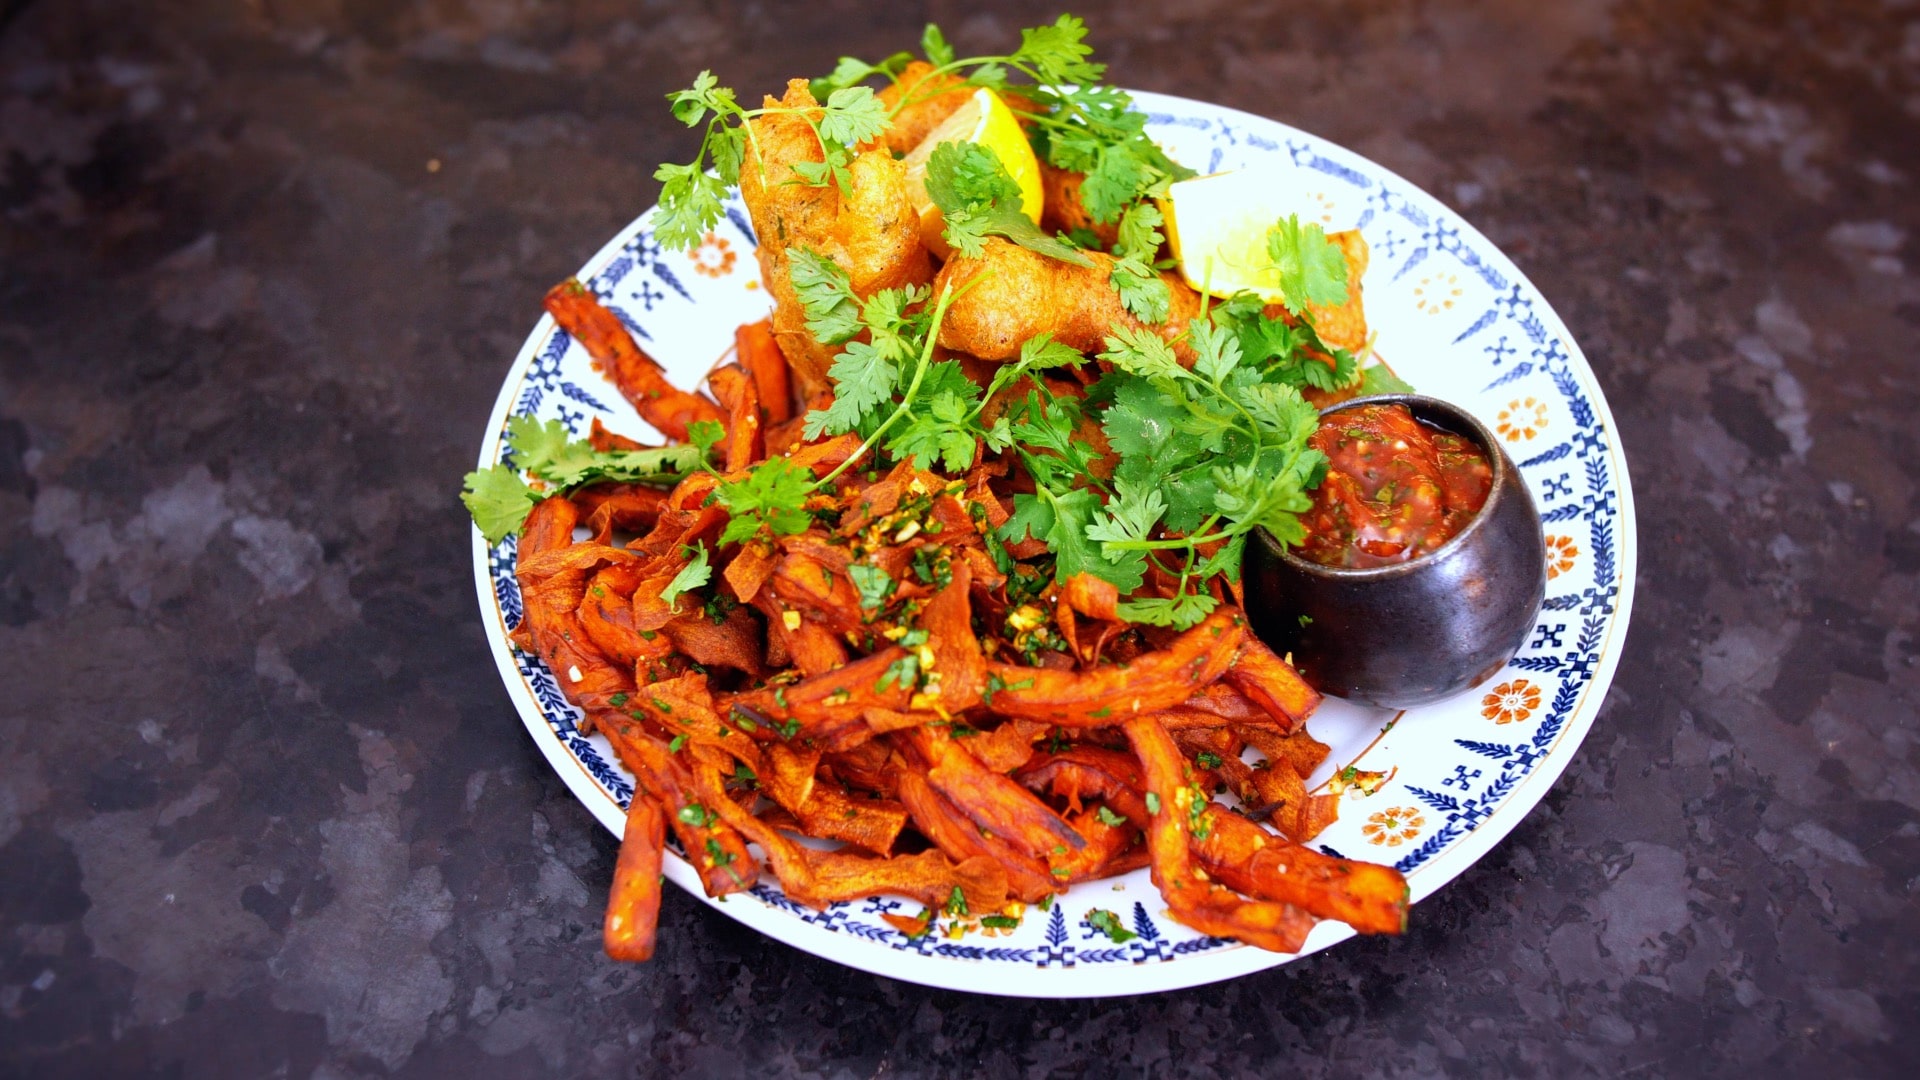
pixel 265 809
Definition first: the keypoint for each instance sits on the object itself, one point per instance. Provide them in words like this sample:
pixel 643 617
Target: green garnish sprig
pixel 1081 126
pixel 499 498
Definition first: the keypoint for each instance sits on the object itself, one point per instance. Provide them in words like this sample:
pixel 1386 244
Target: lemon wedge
pixel 1217 226
pixel 986 120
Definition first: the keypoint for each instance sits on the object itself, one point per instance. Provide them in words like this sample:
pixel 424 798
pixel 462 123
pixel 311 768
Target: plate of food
pixel 885 533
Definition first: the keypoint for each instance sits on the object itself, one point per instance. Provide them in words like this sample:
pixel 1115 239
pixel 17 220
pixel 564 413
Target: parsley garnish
pixel 1109 924
pixel 691 576
pixel 1109 818
pixel 499 499
pixel 978 199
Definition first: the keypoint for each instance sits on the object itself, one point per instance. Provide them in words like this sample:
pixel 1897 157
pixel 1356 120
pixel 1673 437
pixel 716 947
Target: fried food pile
pixel 891 678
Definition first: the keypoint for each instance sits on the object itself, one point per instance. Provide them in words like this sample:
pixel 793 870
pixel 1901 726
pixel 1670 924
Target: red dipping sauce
pixel 1396 489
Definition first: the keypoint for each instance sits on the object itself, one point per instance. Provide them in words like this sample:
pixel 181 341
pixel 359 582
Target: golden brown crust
pixel 1017 294
pixel 872 232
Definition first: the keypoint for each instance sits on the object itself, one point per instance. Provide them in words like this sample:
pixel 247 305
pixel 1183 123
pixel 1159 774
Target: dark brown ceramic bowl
pixel 1415 632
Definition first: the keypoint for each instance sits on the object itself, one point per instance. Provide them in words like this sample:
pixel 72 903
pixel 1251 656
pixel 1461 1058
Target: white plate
pixel 1455 318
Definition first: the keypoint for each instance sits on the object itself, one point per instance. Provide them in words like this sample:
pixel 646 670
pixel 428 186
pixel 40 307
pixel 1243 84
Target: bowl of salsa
pixel 1424 564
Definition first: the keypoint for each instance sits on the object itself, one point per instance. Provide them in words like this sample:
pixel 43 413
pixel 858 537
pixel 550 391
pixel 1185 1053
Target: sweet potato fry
pixel 741 398
pixel 929 877
pixel 1370 898
pixel 1191 898
pixel 1108 695
pixel 712 845
pixel 633 904
pixel 952 832
pixel 639 378
pixel 1273 684
pixel 995 802
pixel 753 344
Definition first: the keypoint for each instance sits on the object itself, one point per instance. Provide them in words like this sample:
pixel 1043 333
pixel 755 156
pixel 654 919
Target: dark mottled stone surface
pixel 265 809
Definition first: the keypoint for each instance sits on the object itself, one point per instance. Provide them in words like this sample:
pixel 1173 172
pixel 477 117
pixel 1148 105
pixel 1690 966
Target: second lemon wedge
pixel 987 121
pixel 1217 226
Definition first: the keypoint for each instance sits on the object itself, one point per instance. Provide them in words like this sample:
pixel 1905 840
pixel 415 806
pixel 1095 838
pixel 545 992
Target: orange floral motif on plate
pixel 1393 826
pixel 1510 702
pixel 713 258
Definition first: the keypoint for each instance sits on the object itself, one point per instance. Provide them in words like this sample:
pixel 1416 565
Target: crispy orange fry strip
pixel 1109 695
pixel 1191 898
pixel 736 390
pixel 712 846
pixel 1368 897
pixel 760 354
pixel 1027 878
pixel 633 905
pixel 1273 684
pixel 996 803
pixel 929 877
pixel 639 379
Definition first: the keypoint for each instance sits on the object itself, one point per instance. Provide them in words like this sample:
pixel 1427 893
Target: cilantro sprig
pixel 893 386
pixel 691 195
pixel 977 199
pixel 1080 125
pixel 499 498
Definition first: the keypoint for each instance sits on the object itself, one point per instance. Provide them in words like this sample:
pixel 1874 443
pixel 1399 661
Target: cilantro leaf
pixel 826 295
pixel 498 500
pixel 1181 612
pixel 691 576
pixel 1311 268
pixel 1059 52
pixel 851 71
pixel 546 451
pixel 978 199
pixel 1074 552
pixel 853 114
pixel 691 105
pixel 690 204
pixel 1109 924
pixel 773 496
pixel 863 381
pixel 1380 379
pixel 873 585
pixel 934 44
pixel 706 434
pixel 960 174
pixel 1143 292
pixel 1139 233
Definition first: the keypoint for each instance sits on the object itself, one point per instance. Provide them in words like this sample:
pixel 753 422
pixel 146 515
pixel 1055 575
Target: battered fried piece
pixel 872 231
pixel 929 877
pixel 633 903
pixel 1370 898
pixel 1064 211
pixel 928 99
pixel 1107 695
pixel 1015 294
pixel 1344 325
pixel 753 344
pixel 1191 898
pixel 640 380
